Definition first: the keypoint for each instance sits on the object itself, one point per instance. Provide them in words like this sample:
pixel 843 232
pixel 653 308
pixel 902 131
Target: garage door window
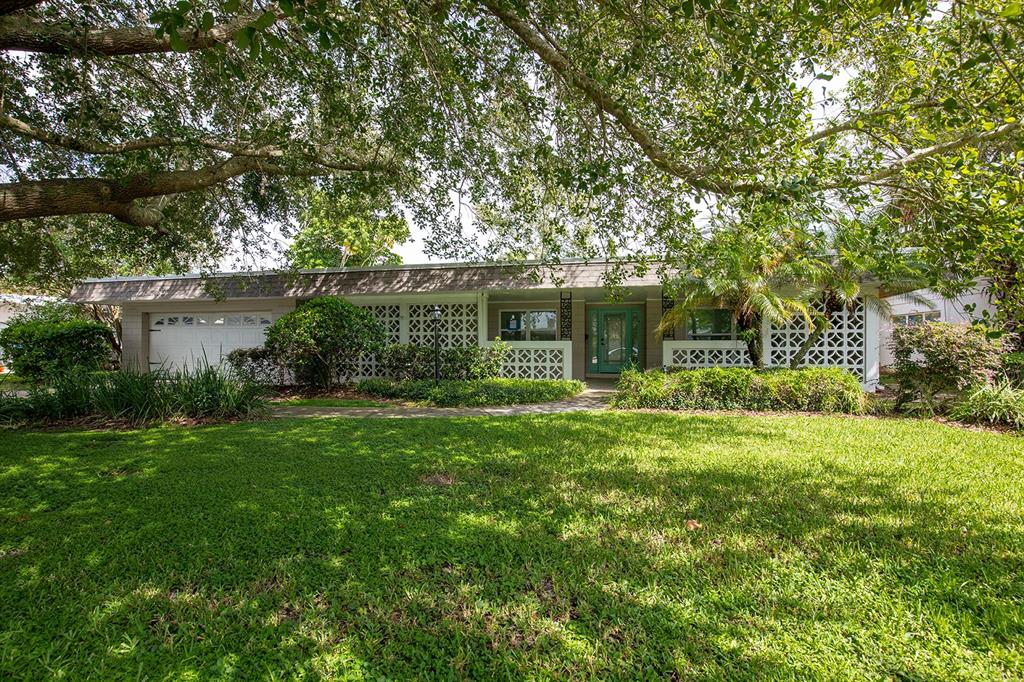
pixel 240 321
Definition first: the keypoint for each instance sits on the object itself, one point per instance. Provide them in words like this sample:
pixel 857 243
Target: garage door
pixel 190 339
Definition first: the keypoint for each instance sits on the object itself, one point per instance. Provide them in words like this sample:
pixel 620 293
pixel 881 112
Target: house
pixel 558 320
pixel 926 305
pixel 12 305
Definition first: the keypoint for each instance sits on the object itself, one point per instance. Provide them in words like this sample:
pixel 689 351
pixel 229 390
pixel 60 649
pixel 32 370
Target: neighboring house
pixel 926 305
pixel 558 321
pixel 15 304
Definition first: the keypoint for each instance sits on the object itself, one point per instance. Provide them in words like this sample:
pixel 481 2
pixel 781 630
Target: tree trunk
pixel 750 332
pixel 820 327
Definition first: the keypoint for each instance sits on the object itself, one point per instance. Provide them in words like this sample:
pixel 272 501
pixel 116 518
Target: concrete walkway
pixel 592 398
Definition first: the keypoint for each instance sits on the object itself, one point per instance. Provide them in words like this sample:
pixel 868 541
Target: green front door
pixel 615 339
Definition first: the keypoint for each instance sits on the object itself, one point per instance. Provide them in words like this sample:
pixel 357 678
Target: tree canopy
pixel 339 232
pixel 560 128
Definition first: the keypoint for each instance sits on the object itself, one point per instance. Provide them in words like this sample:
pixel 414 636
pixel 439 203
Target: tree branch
pixel 972 138
pixel 851 124
pixel 12 6
pixel 28 34
pixel 651 148
pixel 120 198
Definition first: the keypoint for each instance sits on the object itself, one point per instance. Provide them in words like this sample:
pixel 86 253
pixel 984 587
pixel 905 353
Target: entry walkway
pixel 594 397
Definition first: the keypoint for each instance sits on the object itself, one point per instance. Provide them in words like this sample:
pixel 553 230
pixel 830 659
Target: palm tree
pixel 838 275
pixel 747 282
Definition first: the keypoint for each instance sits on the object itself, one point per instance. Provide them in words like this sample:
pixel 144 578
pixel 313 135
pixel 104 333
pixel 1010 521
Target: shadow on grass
pixel 550 546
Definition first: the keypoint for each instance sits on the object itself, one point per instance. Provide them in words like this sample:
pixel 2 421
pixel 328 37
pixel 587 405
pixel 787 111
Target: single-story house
pixel 926 305
pixel 559 320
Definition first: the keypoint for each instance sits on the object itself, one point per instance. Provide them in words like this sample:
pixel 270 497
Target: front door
pixel 615 338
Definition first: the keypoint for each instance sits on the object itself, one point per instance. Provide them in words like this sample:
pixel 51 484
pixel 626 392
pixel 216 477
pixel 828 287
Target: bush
pixel 995 404
pixel 257 365
pixel 740 388
pixel 322 340
pixel 137 398
pixel 473 392
pixel 53 340
pixel 1013 368
pixel 410 362
pixel 937 357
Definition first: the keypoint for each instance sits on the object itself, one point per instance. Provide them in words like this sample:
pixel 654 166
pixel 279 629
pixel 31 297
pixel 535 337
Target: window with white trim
pixel 911 319
pixel 529 325
pixel 709 324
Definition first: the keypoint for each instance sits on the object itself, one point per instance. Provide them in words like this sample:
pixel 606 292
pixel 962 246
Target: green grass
pixel 331 402
pixel 532 546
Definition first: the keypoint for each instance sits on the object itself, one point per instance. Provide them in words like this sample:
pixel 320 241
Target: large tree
pixel 598 127
pixel 339 232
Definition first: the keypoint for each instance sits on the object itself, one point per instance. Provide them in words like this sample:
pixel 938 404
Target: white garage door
pixel 189 339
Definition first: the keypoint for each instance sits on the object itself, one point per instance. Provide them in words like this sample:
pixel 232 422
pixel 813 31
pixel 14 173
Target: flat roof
pixel 379 280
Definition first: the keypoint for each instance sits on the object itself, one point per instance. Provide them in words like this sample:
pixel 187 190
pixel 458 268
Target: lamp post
pixel 435 317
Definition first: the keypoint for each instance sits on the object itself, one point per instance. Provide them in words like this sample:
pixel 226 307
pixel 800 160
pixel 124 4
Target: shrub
pixel 257 365
pixel 1013 368
pixel 937 357
pixel 814 389
pixel 473 392
pixel 49 341
pixel 137 398
pixel 410 362
pixel 995 404
pixel 322 340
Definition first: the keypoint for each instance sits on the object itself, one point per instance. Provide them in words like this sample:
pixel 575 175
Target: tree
pixel 342 232
pixel 746 272
pixel 630 119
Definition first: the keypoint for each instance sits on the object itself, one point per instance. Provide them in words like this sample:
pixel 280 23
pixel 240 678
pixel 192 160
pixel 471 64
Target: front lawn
pixel 578 545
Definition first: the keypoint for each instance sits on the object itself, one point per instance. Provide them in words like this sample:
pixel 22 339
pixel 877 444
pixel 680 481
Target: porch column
pixel 481 318
pixel 653 346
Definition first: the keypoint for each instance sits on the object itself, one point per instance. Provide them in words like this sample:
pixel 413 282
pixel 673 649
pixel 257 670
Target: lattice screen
pixel 534 363
pixel 843 345
pixel 390 317
pixel 692 358
pixel 458 325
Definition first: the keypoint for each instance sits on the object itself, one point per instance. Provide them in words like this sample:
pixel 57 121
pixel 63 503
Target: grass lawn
pixel 534 546
pixel 331 402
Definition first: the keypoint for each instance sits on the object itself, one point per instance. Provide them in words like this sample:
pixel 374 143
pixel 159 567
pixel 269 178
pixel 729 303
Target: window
pixel 529 325
pixel 917 318
pixel 709 324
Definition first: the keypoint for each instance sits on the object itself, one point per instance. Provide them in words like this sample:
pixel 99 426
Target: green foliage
pixel 738 388
pixel 999 404
pixel 322 340
pixel 338 231
pixel 54 339
pixel 397 548
pixel 938 357
pixel 473 392
pixel 409 361
pixel 131 397
pixel 258 365
pixel 1013 368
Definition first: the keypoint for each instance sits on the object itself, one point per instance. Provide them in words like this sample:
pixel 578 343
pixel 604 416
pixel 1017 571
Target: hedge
pixel 39 349
pixel 473 392
pixel 737 388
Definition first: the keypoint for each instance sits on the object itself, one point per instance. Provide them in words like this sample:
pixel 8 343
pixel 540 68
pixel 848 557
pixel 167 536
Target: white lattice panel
pixel 534 363
pixel 843 345
pixel 692 358
pixel 390 317
pixel 458 325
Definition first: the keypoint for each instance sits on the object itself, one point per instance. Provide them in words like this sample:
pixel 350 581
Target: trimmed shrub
pixel 257 365
pixel 813 389
pixel 1013 368
pixel 473 392
pixel 938 357
pixel 411 362
pixel 996 404
pixel 322 340
pixel 138 398
pixel 53 340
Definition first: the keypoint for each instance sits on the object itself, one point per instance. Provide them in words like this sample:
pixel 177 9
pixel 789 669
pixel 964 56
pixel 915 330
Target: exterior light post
pixel 435 317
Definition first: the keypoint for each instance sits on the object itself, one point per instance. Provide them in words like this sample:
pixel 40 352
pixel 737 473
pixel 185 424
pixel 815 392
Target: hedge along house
pixel 558 321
